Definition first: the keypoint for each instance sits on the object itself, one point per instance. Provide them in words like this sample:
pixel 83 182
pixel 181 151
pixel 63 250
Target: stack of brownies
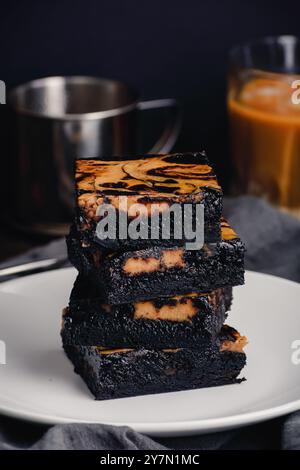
pixel 145 314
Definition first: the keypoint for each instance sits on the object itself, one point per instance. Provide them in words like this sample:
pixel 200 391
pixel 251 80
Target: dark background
pixel 167 48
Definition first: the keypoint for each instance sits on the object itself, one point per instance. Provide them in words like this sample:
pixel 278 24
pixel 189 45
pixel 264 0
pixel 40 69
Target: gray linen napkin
pixel 272 240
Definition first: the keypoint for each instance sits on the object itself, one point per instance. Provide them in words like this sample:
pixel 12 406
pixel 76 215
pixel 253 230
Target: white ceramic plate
pixel 37 383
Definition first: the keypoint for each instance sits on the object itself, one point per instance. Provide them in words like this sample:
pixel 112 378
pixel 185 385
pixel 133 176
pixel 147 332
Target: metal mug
pixel 59 119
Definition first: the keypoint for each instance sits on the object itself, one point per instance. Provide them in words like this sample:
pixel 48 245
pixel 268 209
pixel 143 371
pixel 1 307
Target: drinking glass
pixel 264 115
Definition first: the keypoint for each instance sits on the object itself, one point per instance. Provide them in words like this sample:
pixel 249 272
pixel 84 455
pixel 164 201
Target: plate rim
pixel 174 428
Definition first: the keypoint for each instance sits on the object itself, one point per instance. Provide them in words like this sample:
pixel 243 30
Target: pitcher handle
pixel 173 123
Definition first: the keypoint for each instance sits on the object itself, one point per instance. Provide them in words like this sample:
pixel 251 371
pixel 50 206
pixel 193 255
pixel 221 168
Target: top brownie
pixel 163 180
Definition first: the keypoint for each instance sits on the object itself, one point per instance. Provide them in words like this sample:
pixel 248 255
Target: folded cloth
pixel 271 237
pixel 272 241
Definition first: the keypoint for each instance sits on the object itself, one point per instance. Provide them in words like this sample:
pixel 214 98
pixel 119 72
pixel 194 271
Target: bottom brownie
pixel 117 373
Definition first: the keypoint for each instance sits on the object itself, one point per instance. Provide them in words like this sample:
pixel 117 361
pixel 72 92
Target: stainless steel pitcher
pixel 59 119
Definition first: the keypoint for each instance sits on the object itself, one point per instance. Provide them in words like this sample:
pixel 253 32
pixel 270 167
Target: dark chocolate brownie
pixel 154 179
pixel 117 373
pixel 184 321
pixel 160 271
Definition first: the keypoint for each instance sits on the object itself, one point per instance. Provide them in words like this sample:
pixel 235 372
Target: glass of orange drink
pixel 264 115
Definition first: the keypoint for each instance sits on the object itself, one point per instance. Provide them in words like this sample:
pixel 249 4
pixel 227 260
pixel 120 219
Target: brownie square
pixel 182 178
pixel 116 373
pixel 125 277
pixel 185 321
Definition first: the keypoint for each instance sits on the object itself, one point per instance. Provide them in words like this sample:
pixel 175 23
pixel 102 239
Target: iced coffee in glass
pixel 264 112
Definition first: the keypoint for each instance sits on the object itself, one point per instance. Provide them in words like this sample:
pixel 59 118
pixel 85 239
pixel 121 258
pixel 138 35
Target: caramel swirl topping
pixel 174 174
